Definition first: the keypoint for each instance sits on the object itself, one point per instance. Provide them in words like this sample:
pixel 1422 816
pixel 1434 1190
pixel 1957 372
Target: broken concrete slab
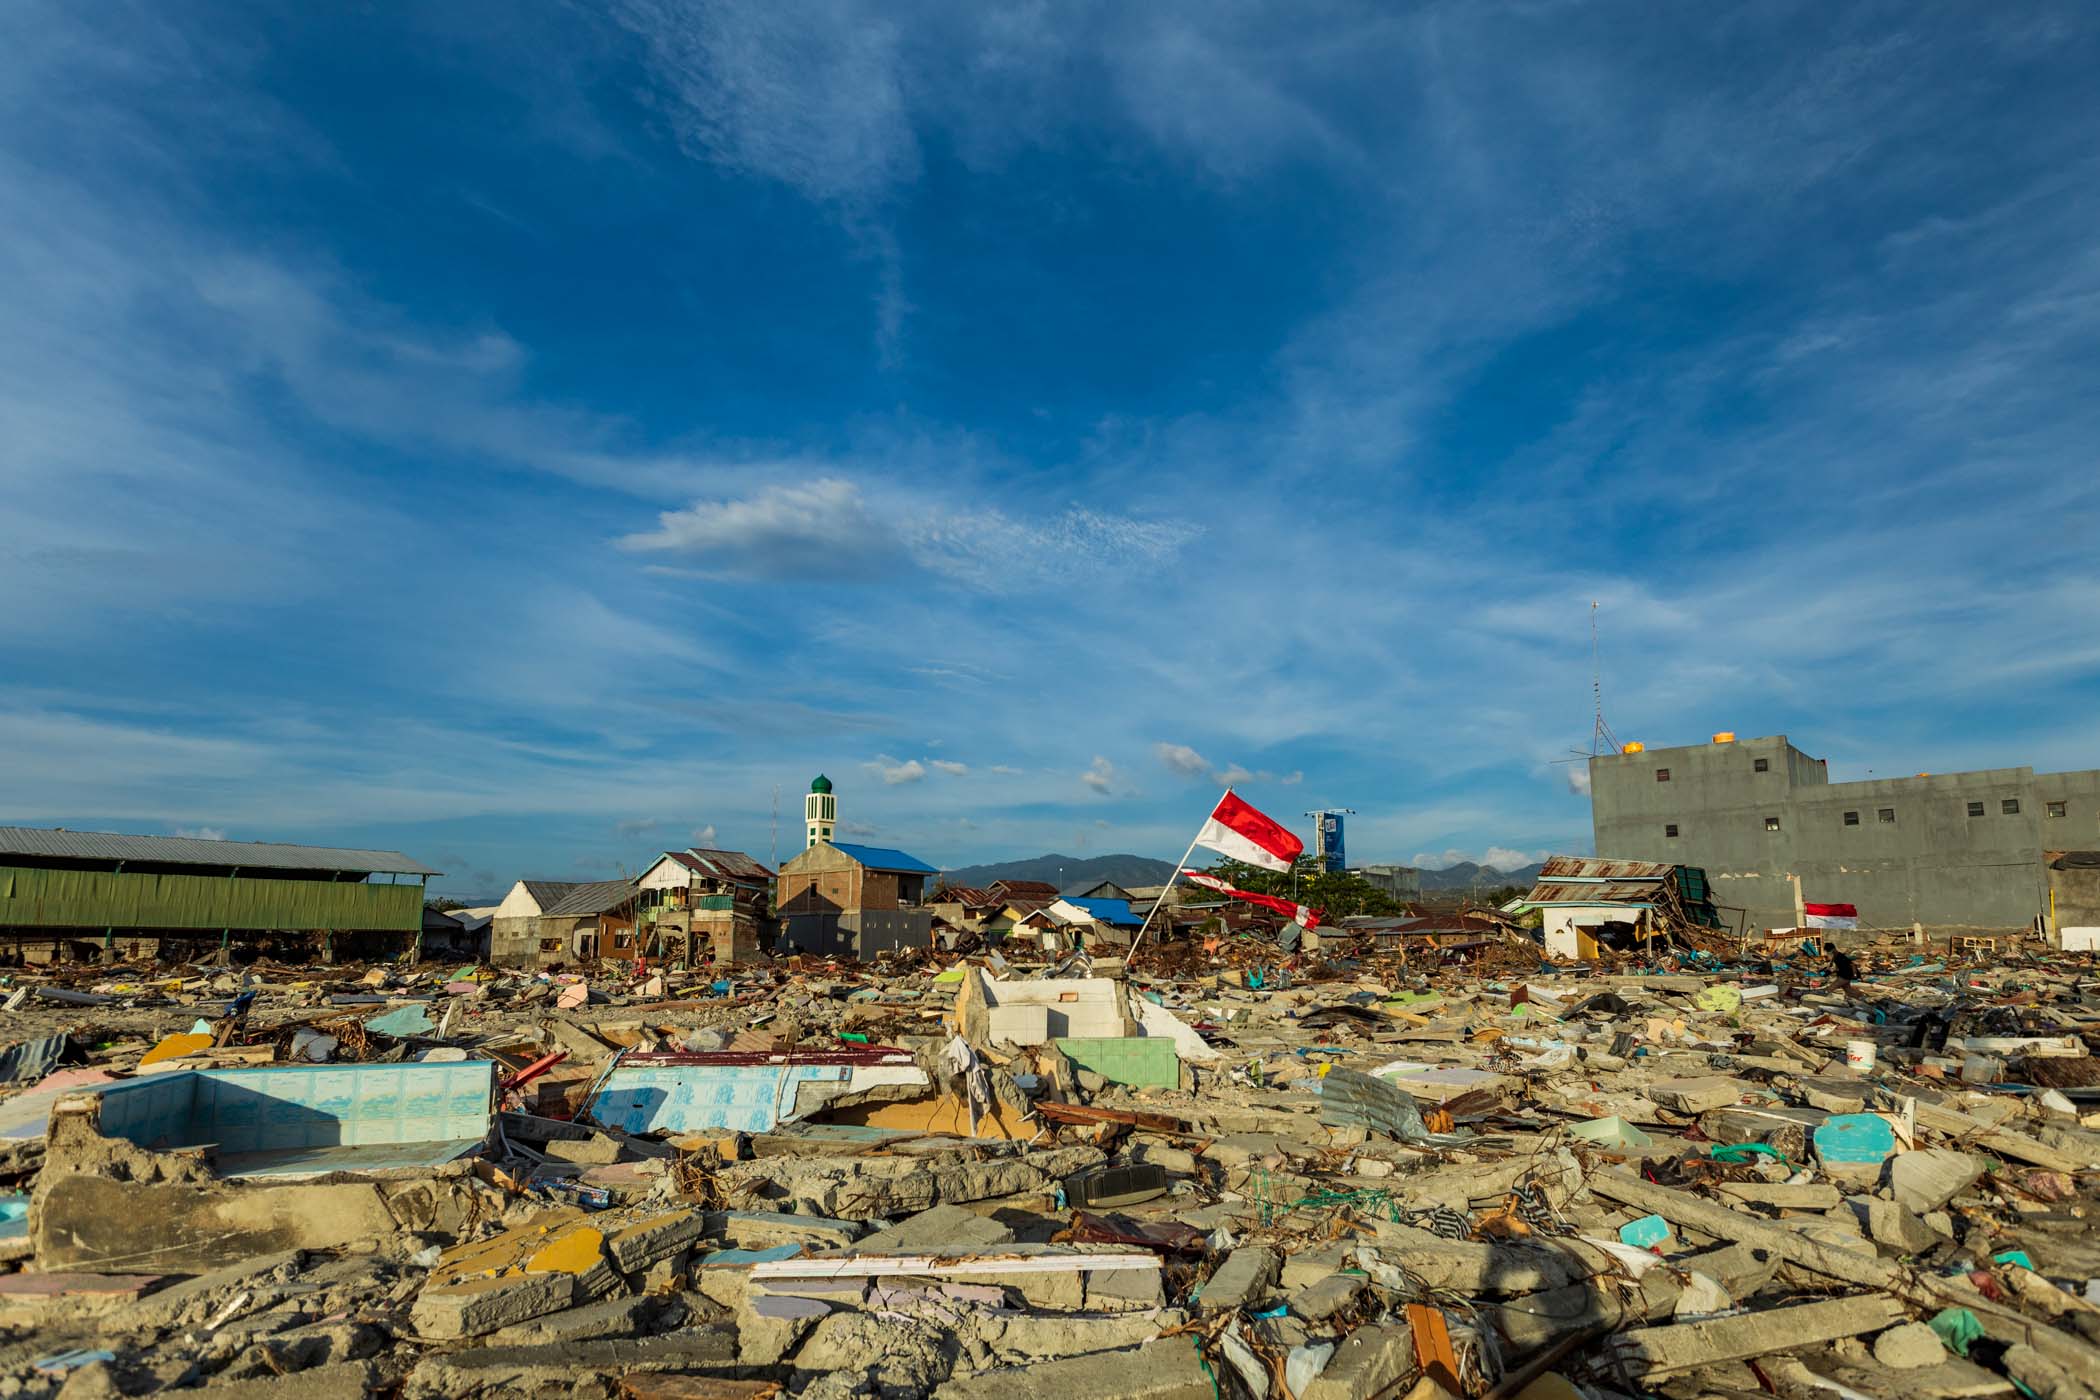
pixel 507 1369
pixel 477 1306
pixel 1655 1351
pixel 1910 1346
pixel 1168 1369
pixel 1241 1280
pixel 1927 1179
pixel 944 1228
pixel 1368 1361
pixel 1329 1296
pixel 1695 1095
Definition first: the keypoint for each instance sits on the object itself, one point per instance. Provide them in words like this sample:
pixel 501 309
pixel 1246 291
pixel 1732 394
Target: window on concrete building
pixel 1662 775
pixel 1851 819
pixel 1670 829
pixel 2053 809
pixel 1771 823
pixel 2010 806
pixel 1762 765
pixel 1887 814
pixel 1975 809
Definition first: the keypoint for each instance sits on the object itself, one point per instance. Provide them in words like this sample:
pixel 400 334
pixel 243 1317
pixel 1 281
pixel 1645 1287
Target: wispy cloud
pixel 1100 776
pixel 894 772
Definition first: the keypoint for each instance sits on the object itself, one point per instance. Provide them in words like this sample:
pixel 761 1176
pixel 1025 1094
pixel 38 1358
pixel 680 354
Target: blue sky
pixel 525 435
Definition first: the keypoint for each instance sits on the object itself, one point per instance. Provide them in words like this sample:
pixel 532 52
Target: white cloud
pixel 893 772
pixel 1502 858
pixel 822 529
pixel 202 833
pixel 704 836
pixel 1005 771
pixel 1181 759
pixel 1578 778
pixel 949 766
pixel 1100 775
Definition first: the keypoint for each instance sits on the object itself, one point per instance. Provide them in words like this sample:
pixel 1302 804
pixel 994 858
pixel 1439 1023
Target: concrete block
pixel 1695 1095
pixel 609 1317
pixel 1909 1347
pixel 1118 1290
pixel 944 1228
pixel 350 1380
pixel 1368 1361
pixel 1168 1369
pixel 1899 1228
pixel 559 1367
pixel 758 1229
pixel 596 1150
pixel 641 1245
pixel 1327 1297
pixel 479 1306
pixel 1242 1280
pixel 768 1328
pixel 1926 1180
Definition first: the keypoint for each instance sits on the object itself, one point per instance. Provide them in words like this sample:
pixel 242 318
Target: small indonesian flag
pixel 1308 917
pixel 1830 915
pixel 1243 833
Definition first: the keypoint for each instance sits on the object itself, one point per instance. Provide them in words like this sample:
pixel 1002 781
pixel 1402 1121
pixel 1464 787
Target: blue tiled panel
pixel 271 1110
pixel 686 1098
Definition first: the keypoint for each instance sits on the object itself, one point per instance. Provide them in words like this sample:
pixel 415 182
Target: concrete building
pixel 81 893
pixel 514 929
pixel 590 922
pixel 854 901
pixel 1945 850
pixel 1401 882
pixel 701 902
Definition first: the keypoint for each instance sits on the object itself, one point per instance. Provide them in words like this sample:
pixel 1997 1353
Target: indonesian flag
pixel 1308 917
pixel 1241 832
pixel 1830 915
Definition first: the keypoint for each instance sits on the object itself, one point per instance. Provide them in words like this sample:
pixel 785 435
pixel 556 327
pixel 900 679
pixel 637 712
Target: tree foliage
pixel 1337 892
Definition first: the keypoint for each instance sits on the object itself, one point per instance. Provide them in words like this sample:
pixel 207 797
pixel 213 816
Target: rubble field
pixel 1221 1170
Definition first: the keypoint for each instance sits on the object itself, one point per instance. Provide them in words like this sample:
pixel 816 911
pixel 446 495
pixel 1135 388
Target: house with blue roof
pixel 842 900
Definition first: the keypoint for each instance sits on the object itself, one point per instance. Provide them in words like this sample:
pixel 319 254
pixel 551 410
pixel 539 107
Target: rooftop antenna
pixel 1602 740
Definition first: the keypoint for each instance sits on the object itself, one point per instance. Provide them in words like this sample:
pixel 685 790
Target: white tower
pixel 820 811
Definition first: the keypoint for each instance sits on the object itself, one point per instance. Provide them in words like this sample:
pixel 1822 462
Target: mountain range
pixel 1075 872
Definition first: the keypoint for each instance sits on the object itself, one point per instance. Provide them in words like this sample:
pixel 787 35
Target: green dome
pixel 822 784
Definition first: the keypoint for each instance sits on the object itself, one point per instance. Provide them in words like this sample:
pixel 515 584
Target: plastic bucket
pixel 1860 1055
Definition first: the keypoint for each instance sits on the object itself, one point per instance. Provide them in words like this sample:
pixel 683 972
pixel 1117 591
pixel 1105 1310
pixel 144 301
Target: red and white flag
pixel 1829 915
pixel 1243 833
pixel 1308 917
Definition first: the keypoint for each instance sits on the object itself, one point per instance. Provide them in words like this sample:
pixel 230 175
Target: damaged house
pixel 840 900
pixel 702 903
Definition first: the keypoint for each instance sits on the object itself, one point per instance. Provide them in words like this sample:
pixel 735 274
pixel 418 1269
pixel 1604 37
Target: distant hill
pixel 1467 876
pixel 1068 872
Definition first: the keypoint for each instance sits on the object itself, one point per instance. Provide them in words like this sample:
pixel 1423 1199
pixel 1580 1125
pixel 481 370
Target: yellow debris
pixel 574 1253
pixel 176 1047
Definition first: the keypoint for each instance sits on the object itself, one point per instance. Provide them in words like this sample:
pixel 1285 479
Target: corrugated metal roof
pixel 1597 868
pixel 594 898
pixel 733 866
pixel 548 892
pixel 187 850
pixel 884 858
pixel 1607 892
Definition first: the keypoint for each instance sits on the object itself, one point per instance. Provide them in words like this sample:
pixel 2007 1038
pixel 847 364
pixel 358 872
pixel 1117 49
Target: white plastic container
pixel 1860 1056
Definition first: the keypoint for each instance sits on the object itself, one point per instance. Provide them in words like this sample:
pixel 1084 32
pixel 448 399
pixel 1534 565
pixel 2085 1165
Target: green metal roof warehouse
pixel 54 880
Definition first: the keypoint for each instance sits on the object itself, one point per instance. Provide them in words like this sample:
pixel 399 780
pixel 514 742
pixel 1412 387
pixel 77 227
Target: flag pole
pixel 1136 942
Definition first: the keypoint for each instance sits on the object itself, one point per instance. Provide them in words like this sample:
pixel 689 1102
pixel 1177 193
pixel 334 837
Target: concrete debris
pixel 1353 1167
